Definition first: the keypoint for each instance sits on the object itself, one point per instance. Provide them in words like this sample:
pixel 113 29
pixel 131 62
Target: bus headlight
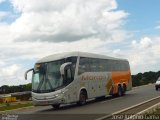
pixel 57 95
pixel 54 96
pixel 60 94
pixel 63 91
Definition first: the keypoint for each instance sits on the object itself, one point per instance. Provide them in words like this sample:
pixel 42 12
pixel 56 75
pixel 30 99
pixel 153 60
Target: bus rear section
pixel 104 76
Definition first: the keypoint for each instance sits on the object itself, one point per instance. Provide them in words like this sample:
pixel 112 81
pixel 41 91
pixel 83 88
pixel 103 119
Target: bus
pixel 75 77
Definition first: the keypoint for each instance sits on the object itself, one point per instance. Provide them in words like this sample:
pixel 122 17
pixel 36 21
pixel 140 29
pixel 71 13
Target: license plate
pixel 44 102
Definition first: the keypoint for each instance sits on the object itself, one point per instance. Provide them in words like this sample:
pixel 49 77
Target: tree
pixel 145 78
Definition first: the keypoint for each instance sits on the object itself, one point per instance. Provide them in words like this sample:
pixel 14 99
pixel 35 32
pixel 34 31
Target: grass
pixel 2 104
pixel 154 115
pixel 9 106
pixel 157 111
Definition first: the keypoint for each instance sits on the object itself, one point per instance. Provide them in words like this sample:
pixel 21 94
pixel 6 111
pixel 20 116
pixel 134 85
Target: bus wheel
pixel 82 98
pixel 56 106
pixel 120 91
pixel 124 89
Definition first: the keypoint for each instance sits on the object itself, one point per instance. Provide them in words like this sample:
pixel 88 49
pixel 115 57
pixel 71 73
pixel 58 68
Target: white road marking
pixel 104 117
pixel 111 100
pixel 143 111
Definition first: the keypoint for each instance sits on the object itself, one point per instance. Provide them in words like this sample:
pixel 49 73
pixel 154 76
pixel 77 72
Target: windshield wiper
pixel 40 84
pixel 50 85
pixel 43 91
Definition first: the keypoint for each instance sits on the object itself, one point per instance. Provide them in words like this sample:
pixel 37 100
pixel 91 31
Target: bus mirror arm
pixel 25 75
pixel 63 66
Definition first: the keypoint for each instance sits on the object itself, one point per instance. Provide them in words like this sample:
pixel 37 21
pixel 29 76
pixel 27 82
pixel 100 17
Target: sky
pixel 32 29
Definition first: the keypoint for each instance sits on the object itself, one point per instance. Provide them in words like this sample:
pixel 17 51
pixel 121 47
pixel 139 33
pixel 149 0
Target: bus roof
pixel 70 54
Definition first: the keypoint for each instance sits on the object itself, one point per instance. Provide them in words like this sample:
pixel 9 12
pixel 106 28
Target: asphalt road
pixel 93 109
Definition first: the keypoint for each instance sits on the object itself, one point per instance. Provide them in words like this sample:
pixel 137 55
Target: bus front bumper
pixel 48 101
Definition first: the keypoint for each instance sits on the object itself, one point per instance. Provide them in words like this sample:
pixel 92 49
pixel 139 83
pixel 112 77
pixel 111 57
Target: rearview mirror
pixel 63 66
pixel 66 72
pixel 25 75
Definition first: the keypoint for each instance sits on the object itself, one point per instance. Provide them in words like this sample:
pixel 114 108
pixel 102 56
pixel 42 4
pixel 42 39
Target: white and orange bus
pixel 77 76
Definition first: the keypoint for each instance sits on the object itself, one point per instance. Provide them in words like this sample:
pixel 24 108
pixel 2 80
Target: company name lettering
pixel 93 77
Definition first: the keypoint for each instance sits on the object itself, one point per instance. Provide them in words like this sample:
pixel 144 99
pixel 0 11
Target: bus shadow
pixel 89 102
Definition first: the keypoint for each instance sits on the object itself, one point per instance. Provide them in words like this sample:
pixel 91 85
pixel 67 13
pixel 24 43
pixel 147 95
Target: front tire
pixel 56 106
pixel 82 98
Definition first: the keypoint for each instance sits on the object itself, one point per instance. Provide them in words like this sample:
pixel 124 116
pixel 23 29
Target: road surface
pixel 93 109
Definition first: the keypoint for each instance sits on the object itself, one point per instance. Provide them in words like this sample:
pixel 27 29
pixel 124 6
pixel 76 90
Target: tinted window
pixel 74 61
pixel 84 65
pixel 101 65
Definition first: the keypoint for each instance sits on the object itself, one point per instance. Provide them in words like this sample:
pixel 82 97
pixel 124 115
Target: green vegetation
pixel 5 89
pixel 145 78
pixel 2 104
pixel 157 112
pixel 11 106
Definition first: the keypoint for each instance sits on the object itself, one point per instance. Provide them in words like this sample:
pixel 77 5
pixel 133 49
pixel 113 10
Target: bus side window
pixel 74 61
pixel 69 75
pixel 82 66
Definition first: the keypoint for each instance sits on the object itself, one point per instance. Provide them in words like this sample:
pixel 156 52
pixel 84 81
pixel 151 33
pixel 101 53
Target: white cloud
pixel 1 1
pixel 3 14
pixel 4 33
pixel 157 27
pixel 117 51
pixel 12 75
pixel 2 63
pixel 55 26
pixel 144 43
pixel 9 71
pixel 145 54
pixel 64 20
pixel 54 5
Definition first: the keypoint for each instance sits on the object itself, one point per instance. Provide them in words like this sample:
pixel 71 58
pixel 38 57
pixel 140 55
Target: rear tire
pixel 124 89
pixel 120 91
pixel 82 98
pixel 56 106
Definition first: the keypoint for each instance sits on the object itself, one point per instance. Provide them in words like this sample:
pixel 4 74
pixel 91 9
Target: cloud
pixel 3 14
pixel 2 63
pixel 144 55
pixel 64 20
pixel 1 1
pixel 9 71
pixel 56 26
pixel 157 27
pixel 12 75
pixel 5 33
pixel 54 5
pixel 144 43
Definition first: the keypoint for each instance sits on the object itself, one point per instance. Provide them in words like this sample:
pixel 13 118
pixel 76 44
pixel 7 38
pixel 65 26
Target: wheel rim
pixel 119 92
pixel 82 98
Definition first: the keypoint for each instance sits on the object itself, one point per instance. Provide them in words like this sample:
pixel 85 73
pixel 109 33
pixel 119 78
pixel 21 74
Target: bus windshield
pixel 47 77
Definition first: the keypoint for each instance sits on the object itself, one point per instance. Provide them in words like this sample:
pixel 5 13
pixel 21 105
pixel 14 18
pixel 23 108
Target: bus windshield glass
pixel 47 77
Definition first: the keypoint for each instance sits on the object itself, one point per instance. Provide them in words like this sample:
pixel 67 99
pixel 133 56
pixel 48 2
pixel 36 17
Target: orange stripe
pixel 120 77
